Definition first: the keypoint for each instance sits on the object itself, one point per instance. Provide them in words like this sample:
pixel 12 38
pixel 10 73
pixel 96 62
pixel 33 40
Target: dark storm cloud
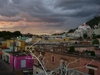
pixel 8 12
pixel 12 19
pixel 75 3
pixel 3 2
pixel 79 8
pixel 57 13
pixel 8 9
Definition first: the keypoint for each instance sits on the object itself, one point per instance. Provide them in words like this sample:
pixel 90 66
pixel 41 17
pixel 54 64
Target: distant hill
pixel 91 23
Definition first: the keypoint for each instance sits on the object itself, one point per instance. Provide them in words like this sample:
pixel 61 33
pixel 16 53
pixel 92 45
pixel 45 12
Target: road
pixel 4 70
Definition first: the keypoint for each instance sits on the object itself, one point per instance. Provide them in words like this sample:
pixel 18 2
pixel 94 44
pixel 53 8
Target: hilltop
pixel 91 23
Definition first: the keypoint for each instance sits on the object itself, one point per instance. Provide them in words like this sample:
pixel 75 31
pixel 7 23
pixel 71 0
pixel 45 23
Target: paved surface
pixel 6 69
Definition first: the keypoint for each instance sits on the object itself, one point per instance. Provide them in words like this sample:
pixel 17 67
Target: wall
pixel 58 60
pixel 65 57
pixel 6 56
pixel 0 53
pixel 84 61
pixel 17 61
pixel 23 45
pixel 58 57
pixel 8 43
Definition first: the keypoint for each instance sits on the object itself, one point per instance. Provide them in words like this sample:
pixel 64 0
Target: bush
pixel 96 41
pixel 92 53
pixel 72 49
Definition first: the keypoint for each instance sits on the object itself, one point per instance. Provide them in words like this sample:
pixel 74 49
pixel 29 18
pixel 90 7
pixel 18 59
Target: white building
pixel 82 30
pixel 97 29
pixel 85 29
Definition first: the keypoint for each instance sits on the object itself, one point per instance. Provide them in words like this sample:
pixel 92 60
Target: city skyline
pixel 46 16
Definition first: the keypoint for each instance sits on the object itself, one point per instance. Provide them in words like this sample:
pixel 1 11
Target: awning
pixel 92 67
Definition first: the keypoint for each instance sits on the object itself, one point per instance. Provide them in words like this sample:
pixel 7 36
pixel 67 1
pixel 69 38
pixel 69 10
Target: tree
pixel 9 35
pixel 92 53
pixel 98 36
pixel 96 41
pixel 85 36
pixel 72 49
pixel 17 33
pixel 93 36
pixel 71 30
pixel 93 21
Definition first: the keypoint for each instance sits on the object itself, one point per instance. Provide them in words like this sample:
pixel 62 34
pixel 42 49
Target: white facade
pixel 82 30
pixel 97 30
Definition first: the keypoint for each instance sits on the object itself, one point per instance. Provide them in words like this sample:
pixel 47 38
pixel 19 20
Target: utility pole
pixel 13 51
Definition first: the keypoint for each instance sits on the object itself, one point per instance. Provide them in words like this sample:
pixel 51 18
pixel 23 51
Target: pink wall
pixel 17 61
pixel 84 61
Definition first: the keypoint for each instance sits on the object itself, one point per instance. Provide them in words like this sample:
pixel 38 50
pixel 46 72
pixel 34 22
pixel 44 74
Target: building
pixel 21 60
pixel 53 56
pixel 53 60
pixel 18 44
pixel 90 66
pixel 81 30
pixel 97 29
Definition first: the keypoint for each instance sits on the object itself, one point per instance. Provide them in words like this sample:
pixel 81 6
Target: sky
pixel 46 16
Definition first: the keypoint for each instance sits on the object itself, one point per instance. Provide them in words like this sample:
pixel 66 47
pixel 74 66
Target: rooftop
pixel 19 53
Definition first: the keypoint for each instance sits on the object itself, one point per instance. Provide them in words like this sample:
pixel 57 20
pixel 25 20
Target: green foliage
pixel 94 36
pixel 96 41
pixel 9 35
pixel 85 36
pixel 87 51
pixel 71 30
pixel 93 21
pixel 17 33
pixel 72 49
pixel 98 36
pixel 92 53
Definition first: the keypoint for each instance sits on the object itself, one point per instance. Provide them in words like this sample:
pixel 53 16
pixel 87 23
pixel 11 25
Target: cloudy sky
pixel 46 16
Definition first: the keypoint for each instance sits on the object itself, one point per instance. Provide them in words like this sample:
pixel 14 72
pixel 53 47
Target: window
pixel 29 48
pixel 18 43
pixel 52 59
pixel 91 71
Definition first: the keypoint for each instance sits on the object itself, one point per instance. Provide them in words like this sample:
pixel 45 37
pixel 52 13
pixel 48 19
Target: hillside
pixel 93 22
